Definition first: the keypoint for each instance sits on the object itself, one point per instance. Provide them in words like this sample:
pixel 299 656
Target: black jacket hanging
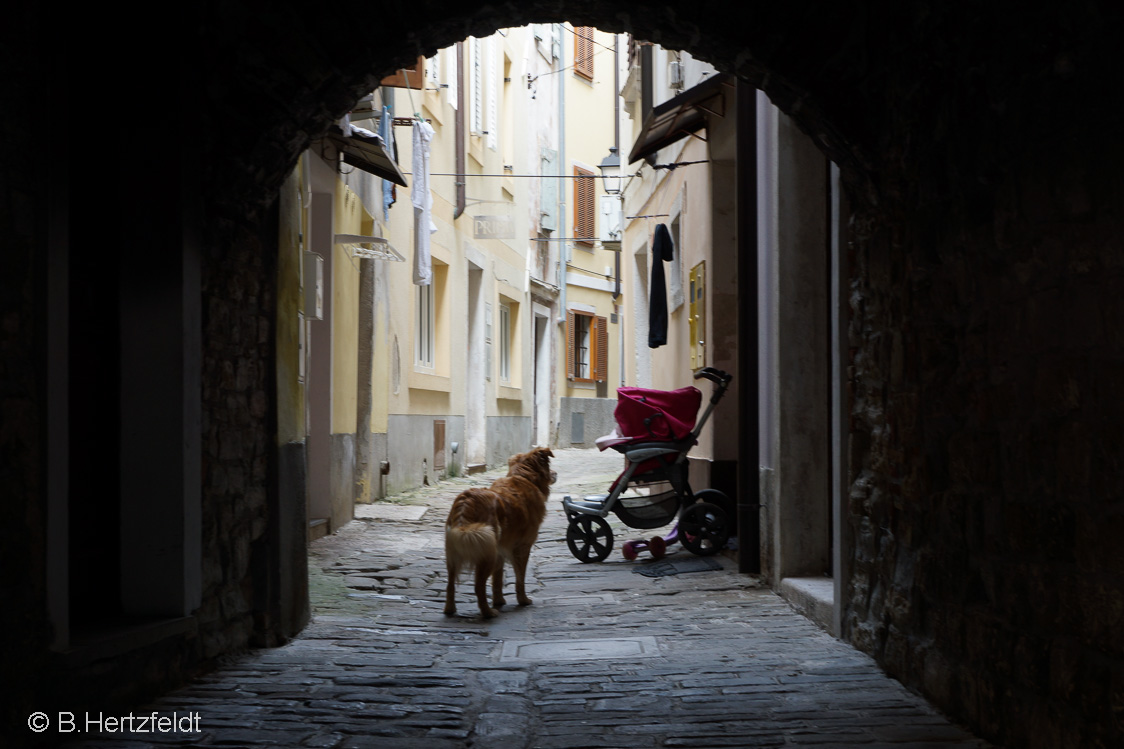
pixel 663 250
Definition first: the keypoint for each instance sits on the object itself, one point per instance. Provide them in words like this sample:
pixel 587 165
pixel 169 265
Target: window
pixel 425 332
pixel 585 214
pixel 587 347
pixel 505 343
pixel 546 39
pixel 583 51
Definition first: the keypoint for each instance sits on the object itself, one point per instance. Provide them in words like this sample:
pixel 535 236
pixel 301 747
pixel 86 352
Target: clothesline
pixel 537 176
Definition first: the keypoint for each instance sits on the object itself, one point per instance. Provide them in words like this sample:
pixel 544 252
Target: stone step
pixel 317 528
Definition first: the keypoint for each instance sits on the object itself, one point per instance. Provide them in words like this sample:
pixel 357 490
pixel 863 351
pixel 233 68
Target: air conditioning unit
pixel 675 75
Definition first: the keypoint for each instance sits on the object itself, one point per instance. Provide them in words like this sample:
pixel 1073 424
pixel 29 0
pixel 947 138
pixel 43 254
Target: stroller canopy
pixel 646 415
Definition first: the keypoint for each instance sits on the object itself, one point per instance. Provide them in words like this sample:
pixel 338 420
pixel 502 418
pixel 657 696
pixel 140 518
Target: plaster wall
pixel 508 435
pixel 596 419
pixel 410 450
pixel 802 505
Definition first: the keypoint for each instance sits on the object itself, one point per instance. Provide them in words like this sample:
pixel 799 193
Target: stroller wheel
pixel 704 529
pixel 590 538
pixel 716 497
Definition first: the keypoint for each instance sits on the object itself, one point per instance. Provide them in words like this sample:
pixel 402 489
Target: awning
pixel 682 115
pixel 365 150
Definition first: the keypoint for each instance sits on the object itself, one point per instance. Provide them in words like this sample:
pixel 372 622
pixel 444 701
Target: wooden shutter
pixel 439 446
pixel 408 77
pixel 585 223
pixel 601 338
pixel 492 123
pixel 477 106
pixel 583 51
pixel 571 347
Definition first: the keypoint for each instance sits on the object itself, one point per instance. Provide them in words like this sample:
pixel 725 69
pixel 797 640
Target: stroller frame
pixel 704 517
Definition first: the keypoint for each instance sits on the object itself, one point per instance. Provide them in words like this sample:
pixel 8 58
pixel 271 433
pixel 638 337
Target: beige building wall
pixel 468 370
pixel 480 384
pixel 681 199
pixel 590 281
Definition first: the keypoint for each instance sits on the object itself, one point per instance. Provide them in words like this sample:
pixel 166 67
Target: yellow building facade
pixel 406 383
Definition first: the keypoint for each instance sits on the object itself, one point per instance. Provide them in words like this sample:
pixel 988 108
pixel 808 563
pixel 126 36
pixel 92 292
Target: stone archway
pixel 982 163
pixel 932 127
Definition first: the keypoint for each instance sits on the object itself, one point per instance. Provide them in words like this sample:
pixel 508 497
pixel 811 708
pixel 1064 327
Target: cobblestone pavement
pixel 604 657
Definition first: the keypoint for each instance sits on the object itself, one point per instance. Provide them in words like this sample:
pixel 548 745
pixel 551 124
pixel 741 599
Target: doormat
pixel 666 567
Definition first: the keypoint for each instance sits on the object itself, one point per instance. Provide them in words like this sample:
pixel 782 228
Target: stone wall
pixel 987 356
pixel 238 436
pixel 24 180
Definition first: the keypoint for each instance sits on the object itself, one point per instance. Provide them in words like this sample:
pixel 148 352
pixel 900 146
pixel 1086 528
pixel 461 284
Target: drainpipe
pixel 617 145
pixel 564 250
pixel 458 130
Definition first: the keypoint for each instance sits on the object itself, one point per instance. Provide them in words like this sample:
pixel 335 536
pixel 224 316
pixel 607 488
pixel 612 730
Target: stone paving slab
pixel 725 661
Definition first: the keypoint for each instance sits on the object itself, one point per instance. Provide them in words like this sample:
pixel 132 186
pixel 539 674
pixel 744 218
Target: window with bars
pixel 587 347
pixel 585 211
pixel 583 51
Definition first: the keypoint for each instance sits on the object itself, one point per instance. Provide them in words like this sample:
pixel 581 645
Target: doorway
pixel 476 429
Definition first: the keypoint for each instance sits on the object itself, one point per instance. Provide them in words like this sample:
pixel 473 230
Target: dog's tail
pixel 469 545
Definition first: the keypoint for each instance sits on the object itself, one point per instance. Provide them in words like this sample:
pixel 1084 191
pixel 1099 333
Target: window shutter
pixel 548 197
pixel 585 226
pixel 601 366
pixel 571 345
pixel 583 51
pixel 452 76
pixel 408 78
pixel 490 88
pixel 477 123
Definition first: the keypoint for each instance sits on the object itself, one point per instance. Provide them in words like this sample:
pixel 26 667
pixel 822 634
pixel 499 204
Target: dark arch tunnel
pixel 986 277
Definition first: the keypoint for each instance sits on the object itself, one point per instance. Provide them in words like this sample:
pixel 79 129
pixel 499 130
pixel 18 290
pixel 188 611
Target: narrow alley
pixel 605 657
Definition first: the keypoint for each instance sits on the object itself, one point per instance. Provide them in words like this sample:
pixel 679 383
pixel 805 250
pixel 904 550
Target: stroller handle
pixel 721 380
pixel 716 376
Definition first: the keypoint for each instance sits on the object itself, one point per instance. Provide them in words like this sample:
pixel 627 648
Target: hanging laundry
pixel 386 131
pixel 423 203
pixel 663 250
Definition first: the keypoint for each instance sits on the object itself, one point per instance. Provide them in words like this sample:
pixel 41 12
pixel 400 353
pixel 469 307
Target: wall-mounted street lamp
pixel 611 172
pixel 612 203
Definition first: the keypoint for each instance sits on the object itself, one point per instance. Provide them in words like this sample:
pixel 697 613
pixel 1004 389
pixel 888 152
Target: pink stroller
pixel 655 431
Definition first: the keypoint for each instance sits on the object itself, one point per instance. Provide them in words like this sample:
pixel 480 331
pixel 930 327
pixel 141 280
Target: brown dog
pixel 488 526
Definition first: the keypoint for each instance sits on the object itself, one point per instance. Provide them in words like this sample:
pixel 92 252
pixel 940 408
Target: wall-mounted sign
pixel 493 227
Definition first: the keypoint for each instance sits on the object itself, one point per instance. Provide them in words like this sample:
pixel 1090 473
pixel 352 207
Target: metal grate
pixel 577 427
